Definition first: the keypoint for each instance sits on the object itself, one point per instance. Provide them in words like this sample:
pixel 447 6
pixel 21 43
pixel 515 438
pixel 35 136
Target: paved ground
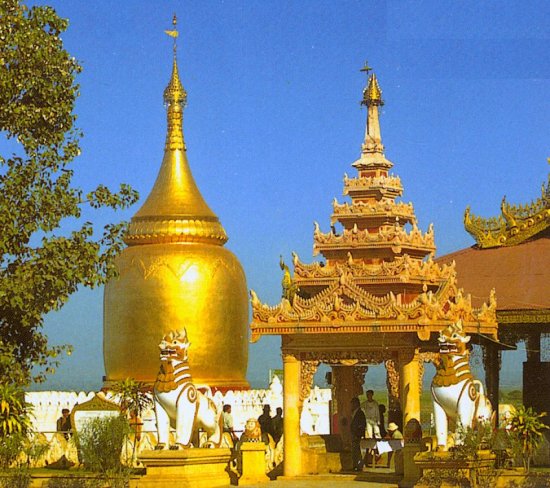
pixel 378 479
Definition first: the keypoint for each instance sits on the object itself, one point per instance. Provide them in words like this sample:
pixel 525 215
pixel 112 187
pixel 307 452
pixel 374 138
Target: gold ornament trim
pixel 541 316
pixel 154 230
pixel 307 372
pixel 515 225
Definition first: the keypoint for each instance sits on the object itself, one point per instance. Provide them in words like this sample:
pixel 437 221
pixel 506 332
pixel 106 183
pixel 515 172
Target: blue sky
pixel 273 121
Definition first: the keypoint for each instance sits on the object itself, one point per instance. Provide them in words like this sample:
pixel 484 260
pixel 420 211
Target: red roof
pixel 520 274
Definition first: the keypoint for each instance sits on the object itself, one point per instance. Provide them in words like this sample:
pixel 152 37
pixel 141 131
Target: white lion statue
pixel 178 402
pixel 456 394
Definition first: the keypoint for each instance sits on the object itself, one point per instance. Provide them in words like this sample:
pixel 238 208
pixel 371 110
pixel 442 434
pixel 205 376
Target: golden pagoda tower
pixel 378 273
pixel 175 273
pixel 377 297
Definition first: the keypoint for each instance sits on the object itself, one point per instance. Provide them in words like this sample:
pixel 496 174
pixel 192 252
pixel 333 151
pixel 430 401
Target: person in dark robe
pixel 266 422
pixel 357 430
pixel 277 425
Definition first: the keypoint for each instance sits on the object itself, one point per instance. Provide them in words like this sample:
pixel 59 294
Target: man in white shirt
pixel 372 414
pixel 228 422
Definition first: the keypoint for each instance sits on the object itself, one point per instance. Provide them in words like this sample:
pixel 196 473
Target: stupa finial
pixel 174 33
pixel 372 99
pixel 175 98
pixel 372 94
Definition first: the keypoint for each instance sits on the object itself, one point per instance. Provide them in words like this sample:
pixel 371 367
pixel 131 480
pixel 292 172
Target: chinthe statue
pixel 178 402
pixel 456 394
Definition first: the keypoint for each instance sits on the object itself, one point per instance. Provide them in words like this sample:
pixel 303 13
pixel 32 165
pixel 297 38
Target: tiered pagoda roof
pixel 378 274
pixel 512 254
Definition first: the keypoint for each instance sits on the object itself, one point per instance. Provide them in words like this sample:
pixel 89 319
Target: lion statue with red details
pixel 456 394
pixel 178 402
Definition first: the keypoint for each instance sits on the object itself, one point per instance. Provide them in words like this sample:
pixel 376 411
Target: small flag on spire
pixel 173 33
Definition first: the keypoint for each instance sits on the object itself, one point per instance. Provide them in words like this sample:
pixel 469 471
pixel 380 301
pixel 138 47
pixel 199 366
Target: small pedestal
pixel 185 468
pixel 411 471
pixel 316 459
pixel 450 471
pixel 253 463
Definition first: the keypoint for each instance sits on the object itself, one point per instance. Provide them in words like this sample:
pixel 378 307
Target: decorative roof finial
pixel 174 33
pixel 366 68
pixel 372 94
pixel 372 151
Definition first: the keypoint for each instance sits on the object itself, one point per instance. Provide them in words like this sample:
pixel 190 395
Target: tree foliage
pixel 133 397
pixel 526 430
pixel 14 411
pixel 41 266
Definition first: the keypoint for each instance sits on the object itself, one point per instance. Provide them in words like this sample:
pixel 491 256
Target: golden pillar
pixel 292 406
pixel 411 386
pixel 346 385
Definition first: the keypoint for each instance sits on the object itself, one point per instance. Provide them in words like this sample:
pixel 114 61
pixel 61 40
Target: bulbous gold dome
pixel 163 287
pixel 175 274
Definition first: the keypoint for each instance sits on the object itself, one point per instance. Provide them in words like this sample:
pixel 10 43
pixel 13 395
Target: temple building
pixel 377 297
pixel 512 254
pixel 176 273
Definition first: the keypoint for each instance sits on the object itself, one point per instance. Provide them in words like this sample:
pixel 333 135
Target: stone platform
pixel 185 468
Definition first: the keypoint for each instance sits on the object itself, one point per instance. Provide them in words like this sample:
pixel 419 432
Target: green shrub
pixel 10 448
pixel 100 442
pixel 472 439
pixel 19 477
pixel 74 482
pixel 526 433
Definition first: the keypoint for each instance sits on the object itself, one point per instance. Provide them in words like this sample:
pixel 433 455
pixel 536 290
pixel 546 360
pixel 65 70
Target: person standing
pixel 228 422
pixel 277 425
pixel 382 411
pixel 64 423
pixel 372 414
pixel 265 420
pixel 394 434
pixel 357 431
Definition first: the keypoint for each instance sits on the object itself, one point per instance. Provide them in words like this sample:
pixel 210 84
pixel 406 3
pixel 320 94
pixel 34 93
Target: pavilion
pixel 377 298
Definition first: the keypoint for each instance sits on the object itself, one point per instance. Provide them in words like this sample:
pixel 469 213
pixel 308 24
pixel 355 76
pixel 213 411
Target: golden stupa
pixel 175 273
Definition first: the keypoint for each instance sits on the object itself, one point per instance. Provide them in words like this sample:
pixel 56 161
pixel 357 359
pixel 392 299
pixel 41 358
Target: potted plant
pixel 526 434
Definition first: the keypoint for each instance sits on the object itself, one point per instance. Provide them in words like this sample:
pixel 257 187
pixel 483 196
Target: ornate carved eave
pixel 389 236
pixel 377 209
pixel 344 307
pixel 403 268
pixel 423 332
pixel 373 183
pixel 516 224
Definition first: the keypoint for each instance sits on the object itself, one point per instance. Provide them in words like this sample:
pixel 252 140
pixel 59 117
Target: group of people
pixel 269 425
pixel 368 424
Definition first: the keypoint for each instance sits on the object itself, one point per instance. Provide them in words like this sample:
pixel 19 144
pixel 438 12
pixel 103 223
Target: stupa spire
pixel 175 210
pixel 372 150
pixel 175 98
